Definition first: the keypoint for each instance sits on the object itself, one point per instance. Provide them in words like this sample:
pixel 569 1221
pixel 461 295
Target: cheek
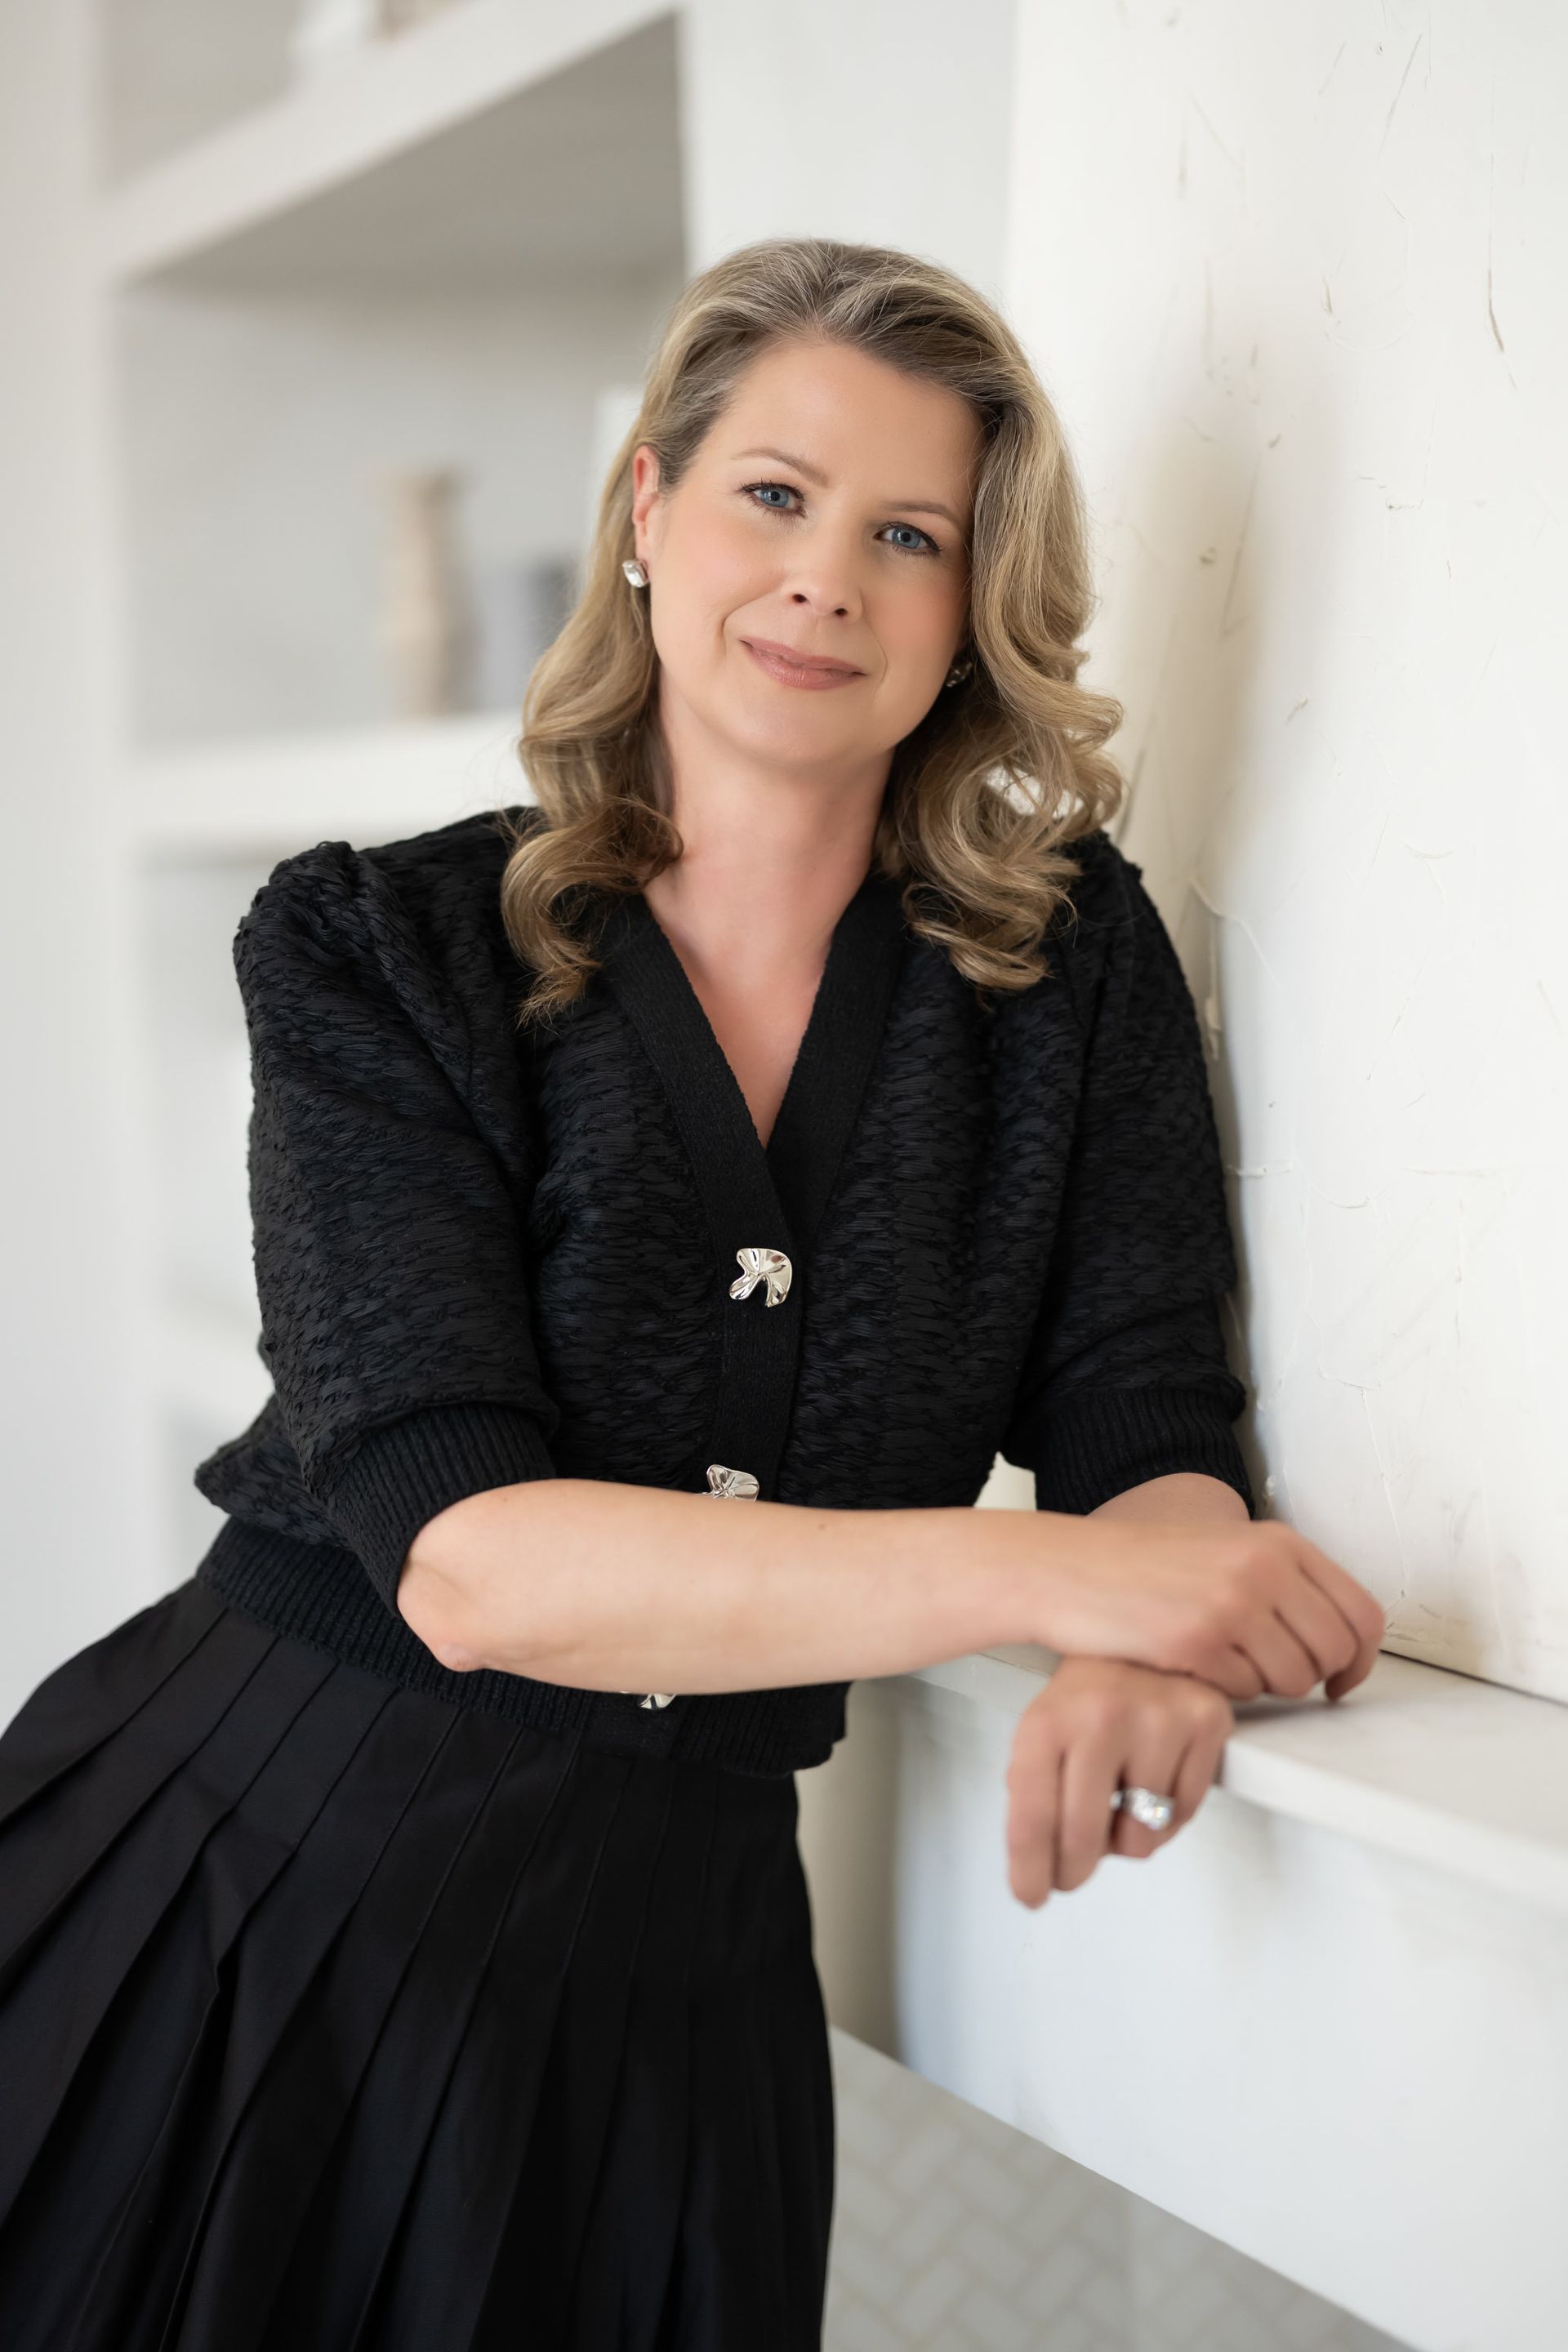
pixel 700 590
pixel 920 626
pixel 717 568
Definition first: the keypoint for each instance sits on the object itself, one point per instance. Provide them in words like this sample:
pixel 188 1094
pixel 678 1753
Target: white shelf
pixel 1438 1767
pixel 280 168
pixel 268 796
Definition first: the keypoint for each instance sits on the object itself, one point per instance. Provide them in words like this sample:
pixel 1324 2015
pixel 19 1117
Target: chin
pixel 805 727
pixel 794 746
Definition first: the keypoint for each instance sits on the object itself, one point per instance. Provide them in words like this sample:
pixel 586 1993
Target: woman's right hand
pixel 1253 1607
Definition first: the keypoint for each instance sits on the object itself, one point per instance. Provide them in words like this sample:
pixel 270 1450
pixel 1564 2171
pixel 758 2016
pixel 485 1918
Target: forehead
pixel 862 422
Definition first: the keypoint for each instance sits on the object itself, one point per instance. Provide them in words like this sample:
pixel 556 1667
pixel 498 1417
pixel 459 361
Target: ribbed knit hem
pixel 400 1475
pixel 1103 1440
pixel 317 1593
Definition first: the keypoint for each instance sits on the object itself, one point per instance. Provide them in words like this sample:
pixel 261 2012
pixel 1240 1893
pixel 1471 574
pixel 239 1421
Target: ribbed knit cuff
pixel 1102 1440
pixel 401 1474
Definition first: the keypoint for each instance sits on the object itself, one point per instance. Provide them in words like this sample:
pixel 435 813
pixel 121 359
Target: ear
pixel 645 495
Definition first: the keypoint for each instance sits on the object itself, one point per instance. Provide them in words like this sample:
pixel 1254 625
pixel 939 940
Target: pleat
pixel 334 2018
pixel 71 1824
pixel 312 2278
pixel 315 1974
pixel 796 2069
pixel 118 2126
pixel 490 2235
pixel 562 2169
pixel 119 1855
pixel 627 2261
pixel 85 1700
pixel 757 2200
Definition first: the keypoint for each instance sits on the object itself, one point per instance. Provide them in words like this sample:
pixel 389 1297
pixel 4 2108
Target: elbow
pixel 435 1607
pixel 435 1588
pixel 454 1580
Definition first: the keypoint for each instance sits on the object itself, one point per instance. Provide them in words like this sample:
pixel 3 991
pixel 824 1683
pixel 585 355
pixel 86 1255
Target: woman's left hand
pixel 1100 1724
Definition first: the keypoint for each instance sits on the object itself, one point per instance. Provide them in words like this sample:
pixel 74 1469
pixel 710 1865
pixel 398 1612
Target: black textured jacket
pixel 484 1255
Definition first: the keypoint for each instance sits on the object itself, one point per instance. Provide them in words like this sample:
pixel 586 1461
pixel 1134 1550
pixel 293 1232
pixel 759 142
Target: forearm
pixel 611 1587
pixel 1189 1498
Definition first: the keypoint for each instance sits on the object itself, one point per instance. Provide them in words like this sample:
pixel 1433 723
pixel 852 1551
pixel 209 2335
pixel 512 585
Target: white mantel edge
pixel 1419 1761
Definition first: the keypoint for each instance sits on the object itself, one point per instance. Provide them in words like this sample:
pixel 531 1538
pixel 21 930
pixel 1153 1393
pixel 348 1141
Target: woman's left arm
pixel 1103 1723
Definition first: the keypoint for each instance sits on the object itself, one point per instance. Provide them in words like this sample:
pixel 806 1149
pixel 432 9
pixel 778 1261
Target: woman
pixel 404 1937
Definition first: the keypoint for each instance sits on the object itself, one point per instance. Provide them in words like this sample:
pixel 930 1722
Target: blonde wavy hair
pixel 1005 770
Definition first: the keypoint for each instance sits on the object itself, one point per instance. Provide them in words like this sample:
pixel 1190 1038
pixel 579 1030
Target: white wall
pixel 1342 2060
pixel 67 1461
pixel 261 428
pixel 1294 276
pixel 869 122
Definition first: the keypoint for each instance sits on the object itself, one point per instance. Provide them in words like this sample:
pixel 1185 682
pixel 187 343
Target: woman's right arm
pixel 622 1588
pixel 395 1326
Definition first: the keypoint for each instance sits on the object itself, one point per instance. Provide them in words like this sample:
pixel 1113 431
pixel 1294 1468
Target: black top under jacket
pixel 485 1255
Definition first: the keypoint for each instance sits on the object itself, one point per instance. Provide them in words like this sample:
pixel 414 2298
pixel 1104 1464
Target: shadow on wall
pixel 1218 559
pixel 847 1837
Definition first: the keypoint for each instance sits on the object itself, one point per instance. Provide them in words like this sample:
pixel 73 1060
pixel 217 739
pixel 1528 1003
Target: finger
pixel 1199 1766
pixel 1358 1611
pixel 1153 1760
pixel 1319 1625
pixel 1091 1767
pixel 1229 1669
pixel 1189 1774
pixel 1032 1786
pixel 1360 1608
pixel 1286 1668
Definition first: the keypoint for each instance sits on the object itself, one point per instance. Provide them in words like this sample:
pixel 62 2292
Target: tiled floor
pixel 952 2230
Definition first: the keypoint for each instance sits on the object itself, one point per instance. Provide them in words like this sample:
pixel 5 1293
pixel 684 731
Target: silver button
pixel 739 1485
pixel 735 1486
pixel 769 1266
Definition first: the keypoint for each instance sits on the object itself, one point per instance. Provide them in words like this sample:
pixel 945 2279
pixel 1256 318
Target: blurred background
pixel 322 319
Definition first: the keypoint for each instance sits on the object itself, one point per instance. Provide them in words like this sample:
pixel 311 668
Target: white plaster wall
pixel 1294 277
pixel 870 123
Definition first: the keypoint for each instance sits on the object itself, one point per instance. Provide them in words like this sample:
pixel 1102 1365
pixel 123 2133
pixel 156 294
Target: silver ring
pixel 1145 1805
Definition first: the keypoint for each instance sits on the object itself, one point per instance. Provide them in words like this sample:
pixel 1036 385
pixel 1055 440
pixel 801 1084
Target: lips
pixel 795 668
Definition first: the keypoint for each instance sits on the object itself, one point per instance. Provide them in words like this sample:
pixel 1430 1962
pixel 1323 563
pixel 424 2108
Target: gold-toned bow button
pixel 731 1485
pixel 769 1266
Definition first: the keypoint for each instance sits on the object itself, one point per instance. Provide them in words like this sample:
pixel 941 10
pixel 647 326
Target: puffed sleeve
pixel 1126 1376
pixel 388 1249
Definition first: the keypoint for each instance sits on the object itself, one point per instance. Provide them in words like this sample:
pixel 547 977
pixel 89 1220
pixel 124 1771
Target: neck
pixel 771 857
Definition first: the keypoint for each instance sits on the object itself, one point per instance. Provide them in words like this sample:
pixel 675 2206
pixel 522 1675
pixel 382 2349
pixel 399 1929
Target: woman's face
pixel 826 512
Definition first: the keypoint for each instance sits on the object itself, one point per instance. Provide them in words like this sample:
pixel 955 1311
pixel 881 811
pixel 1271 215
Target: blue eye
pixel 927 545
pixel 924 535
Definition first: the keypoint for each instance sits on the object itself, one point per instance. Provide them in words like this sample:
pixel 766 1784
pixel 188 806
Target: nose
pixel 822 577
pixel 840 611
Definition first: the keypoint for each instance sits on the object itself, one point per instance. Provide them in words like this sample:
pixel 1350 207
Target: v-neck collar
pixel 754 1194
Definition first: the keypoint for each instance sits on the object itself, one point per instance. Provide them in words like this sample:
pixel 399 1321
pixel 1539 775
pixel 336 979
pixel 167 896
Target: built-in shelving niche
pixel 455 250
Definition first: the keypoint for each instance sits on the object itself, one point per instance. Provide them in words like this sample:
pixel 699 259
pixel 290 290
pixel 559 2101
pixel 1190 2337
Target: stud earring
pixel 634 572
pixel 958 673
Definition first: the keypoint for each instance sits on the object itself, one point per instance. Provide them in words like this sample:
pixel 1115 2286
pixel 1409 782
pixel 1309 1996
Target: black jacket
pixel 485 1255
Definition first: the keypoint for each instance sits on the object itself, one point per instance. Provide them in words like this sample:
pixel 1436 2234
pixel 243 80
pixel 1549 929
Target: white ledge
pixel 265 796
pixel 1417 1761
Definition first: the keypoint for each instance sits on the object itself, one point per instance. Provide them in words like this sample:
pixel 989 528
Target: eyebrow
pixel 813 474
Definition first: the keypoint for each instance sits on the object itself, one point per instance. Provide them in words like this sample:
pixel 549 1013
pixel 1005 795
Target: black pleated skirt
pixel 336 2018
